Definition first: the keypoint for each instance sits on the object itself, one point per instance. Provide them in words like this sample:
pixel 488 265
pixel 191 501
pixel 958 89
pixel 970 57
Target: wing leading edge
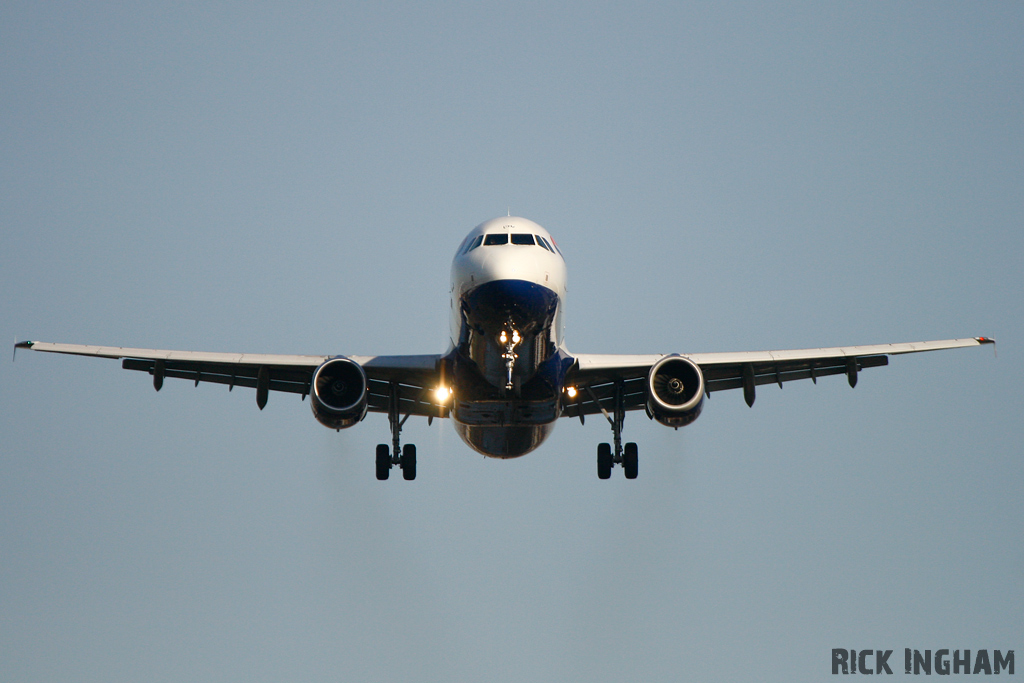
pixel 598 377
pixel 413 377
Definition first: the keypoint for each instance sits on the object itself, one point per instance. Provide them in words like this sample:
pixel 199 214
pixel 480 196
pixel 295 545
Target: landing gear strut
pixel 509 340
pixel 405 458
pixel 628 456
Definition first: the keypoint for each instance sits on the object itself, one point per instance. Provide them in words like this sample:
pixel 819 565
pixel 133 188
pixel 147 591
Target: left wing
pixel 410 377
pixel 597 377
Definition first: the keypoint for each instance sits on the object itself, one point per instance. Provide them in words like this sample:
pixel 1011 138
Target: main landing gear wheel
pixel 630 460
pixel 408 463
pixel 383 461
pixel 604 461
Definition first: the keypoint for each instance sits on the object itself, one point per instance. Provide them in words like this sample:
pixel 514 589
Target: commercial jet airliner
pixel 507 376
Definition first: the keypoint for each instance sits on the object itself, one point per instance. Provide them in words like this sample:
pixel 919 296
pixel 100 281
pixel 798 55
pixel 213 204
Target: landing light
pixel 442 394
pixel 570 392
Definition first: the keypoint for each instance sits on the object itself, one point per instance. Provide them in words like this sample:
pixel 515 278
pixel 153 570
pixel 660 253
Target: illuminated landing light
pixel 504 337
pixel 570 392
pixel 442 394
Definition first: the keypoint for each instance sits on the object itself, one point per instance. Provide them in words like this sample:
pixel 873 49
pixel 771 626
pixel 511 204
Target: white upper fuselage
pixel 473 266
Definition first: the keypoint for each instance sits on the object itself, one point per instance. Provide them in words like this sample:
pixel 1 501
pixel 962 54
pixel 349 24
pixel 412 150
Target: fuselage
pixel 507 361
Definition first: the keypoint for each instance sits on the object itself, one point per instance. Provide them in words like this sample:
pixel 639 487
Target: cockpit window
pixel 544 243
pixel 495 239
pixel 518 238
pixel 475 243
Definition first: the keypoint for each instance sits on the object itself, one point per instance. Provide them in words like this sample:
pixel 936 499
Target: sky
pixel 295 178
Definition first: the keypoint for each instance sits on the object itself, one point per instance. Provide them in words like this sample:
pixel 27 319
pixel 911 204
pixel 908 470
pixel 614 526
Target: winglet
pixel 988 340
pixel 20 345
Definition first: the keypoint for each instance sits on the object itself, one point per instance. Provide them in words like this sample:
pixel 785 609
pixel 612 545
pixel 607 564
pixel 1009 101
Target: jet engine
pixel 338 393
pixel 675 391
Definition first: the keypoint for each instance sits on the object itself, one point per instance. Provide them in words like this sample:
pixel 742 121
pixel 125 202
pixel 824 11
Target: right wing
pixel 412 377
pixel 597 376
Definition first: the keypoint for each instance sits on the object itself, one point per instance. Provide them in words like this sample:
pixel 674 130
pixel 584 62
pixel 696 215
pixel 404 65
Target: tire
pixel 409 462
pixel 383 461
pixel 630 460
pixel 604 461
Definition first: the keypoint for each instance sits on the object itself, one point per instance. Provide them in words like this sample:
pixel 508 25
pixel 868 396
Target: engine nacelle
pixel 338 393
pixel 675 391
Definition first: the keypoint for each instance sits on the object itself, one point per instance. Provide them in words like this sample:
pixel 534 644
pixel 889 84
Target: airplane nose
pixel 495 268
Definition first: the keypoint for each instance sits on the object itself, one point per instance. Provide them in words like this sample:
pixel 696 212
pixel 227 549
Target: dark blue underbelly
pixel 504 442
pixel 494 418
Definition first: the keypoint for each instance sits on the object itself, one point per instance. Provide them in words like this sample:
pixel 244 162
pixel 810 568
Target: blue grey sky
pixel 295 179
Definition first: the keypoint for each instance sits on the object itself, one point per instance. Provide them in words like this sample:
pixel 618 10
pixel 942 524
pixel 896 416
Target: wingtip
pixel 19 345
pixel 985 340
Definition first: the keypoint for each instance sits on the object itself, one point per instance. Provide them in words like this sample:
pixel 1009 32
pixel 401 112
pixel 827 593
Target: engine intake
pixel 338 393
pixel 675 391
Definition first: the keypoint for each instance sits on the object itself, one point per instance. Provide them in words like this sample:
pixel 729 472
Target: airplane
pixel 507 375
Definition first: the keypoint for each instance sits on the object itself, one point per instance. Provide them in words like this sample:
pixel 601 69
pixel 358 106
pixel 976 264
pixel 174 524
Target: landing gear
pixel 405 457
pixel 509 339
pixel 627 457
